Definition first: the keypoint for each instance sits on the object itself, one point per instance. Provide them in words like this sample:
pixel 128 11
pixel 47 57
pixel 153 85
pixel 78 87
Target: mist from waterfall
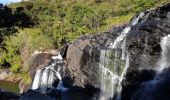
pixel 164 61
pixel 114 63
pixel 45 77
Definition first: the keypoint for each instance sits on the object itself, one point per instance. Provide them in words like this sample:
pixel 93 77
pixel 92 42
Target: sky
pixel 8 1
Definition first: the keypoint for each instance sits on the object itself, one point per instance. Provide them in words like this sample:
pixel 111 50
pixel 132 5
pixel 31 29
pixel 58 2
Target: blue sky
pixel 8 1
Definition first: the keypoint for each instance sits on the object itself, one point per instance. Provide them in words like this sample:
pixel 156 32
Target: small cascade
pixel 114 68
pixel 36 81
pixel 44 80
pixel 164 61
pixel 108 78
pixel 119 88
pixel 45 77
pixel 120 41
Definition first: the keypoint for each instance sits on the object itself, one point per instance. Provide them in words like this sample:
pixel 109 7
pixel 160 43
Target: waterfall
pixel 119 89
pixel 45 77
pixel 36 81
pixel 108 79
pixel 164 61
pixel 114 70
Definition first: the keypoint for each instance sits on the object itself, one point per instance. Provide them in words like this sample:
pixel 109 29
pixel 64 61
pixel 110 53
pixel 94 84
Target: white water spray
pixel 44 77
pixel 164 61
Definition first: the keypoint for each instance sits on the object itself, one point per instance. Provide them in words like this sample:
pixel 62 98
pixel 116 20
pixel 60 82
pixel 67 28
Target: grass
pixel 117 21
pixel 120 19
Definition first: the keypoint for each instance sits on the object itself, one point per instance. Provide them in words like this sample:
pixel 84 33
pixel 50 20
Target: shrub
pixel 28 40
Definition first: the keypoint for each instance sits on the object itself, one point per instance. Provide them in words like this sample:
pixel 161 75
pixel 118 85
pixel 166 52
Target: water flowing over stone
pixel 114 73
pixel 44 78
pixel 35 84
pixel 120 41
pixel 164 61
pixel 108 78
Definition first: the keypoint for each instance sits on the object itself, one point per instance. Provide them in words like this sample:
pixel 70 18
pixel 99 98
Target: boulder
pixel 4 95
pixel 156 89
pixel 82 59
pixel 144 38
pixel 145 50
pixel 23 87
pixel 34 95
pixel 4 73
pixel 37 61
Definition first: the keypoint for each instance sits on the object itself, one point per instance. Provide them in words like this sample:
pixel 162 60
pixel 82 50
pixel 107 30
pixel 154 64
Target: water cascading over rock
pixel 114 62
pixel 45 78
pixel 164 61
pixel 108 78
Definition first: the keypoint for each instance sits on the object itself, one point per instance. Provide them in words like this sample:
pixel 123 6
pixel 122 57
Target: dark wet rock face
pixel 83 59
pixel 156 89
pixel 134 80
pixel 34 95
pixel 4 95
pixel 145 50
pixel 145 38
pixel 74 93
pixel 37 61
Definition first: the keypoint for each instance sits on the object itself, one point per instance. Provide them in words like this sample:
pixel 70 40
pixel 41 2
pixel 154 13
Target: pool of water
pixel 9 86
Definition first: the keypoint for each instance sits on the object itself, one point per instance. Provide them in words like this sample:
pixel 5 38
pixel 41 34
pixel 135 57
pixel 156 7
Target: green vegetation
pixel 49 24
